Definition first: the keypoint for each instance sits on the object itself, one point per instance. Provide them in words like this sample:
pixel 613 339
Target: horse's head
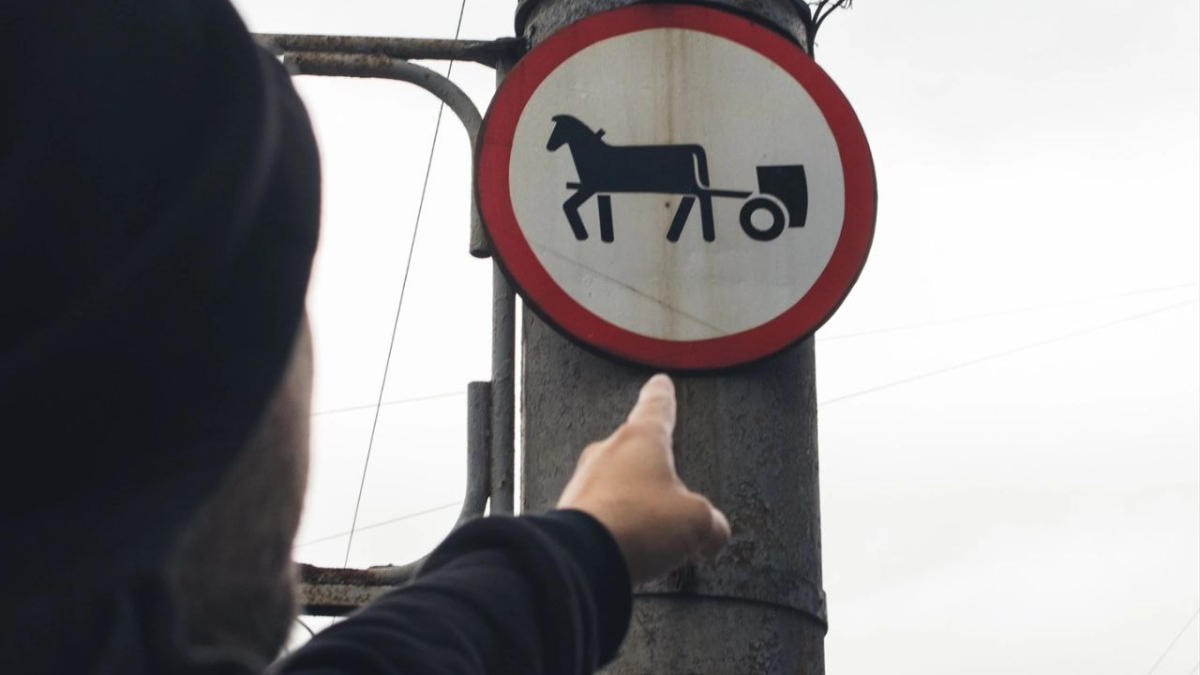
pixel 566 129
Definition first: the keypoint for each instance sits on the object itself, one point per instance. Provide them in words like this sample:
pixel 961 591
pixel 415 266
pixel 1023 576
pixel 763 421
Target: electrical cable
pixel 381 523
pixel 1173 641
pixel 399 401
pixel 287 651
pixel 400 303
pixel 1007 352
pixel 988 315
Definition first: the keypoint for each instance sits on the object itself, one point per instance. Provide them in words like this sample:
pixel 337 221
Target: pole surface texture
pixel 746 438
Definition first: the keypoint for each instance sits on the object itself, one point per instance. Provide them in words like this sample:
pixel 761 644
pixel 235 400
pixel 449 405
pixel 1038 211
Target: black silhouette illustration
pixel 605 169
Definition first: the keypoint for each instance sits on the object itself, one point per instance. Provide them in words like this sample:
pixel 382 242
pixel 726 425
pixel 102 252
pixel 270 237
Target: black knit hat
pixel 158 218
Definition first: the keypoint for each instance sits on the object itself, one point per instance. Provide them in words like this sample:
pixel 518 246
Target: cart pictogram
pixel 606 169
pixel 725 214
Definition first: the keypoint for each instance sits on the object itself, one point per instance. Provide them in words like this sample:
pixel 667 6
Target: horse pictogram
pixel 605 170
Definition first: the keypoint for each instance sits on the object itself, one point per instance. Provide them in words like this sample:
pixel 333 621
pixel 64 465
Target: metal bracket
pixel 779 588
pixel 381 66
pixel 333 591
pixel 490 405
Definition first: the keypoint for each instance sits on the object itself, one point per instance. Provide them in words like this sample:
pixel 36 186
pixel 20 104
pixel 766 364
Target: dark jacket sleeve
pixel 535 595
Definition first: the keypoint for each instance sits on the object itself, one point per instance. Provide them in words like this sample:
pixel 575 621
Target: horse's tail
pixel 701 161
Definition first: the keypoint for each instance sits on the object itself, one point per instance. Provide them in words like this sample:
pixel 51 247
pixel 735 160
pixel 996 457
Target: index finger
pixel 656 403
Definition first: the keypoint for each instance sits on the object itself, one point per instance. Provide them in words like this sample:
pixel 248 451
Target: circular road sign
pixel 676 186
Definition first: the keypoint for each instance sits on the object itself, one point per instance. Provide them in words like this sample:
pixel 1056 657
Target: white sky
pixel 1037 512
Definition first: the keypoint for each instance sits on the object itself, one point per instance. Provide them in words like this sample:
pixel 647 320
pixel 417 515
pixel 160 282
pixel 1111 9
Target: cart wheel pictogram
pixel 769 204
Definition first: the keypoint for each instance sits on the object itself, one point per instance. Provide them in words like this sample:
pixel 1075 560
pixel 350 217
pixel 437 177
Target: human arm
pixel 532 595
pixel 542 594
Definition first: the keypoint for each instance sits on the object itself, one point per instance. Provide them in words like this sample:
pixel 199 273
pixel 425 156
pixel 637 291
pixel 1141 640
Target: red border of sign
pixel 540 290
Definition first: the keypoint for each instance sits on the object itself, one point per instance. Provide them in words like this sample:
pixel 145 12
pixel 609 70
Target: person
pixel 159 201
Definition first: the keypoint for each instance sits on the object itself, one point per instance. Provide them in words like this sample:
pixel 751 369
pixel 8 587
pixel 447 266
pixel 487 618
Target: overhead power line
pixel 1007 352
pixel 382 523
pixel 400 303
pixel 1002 312
pixel 399 401
pixel 1173 641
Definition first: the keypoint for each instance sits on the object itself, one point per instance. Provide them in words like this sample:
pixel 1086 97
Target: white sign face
pixel 661 186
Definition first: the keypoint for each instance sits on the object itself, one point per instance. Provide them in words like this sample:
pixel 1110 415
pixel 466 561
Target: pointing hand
pixel 628 483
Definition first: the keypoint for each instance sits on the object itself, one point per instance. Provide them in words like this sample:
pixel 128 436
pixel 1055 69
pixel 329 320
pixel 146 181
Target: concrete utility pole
pixel 747 438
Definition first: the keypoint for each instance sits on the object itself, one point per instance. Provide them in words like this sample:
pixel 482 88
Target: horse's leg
pixel 706 217
pixel 571 208
pixel 604 203
pixel 680 219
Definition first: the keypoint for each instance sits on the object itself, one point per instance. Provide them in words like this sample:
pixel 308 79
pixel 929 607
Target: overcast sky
pixel 1010 426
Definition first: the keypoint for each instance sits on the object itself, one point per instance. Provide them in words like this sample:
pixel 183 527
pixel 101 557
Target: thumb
pixel 718 536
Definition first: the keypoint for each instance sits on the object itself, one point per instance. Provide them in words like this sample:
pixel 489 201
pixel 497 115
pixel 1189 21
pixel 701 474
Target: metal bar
pixel 479 441
pixel 486 52
pixel 326 591
pixel 503 455
pixel 504 331
pixel 366 65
